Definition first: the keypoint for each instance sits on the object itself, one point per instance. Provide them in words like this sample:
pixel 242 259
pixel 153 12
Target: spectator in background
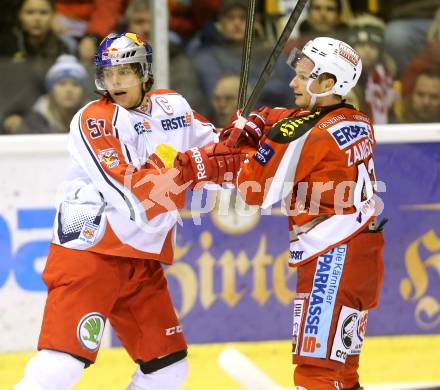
pixel 354 99
pixel 406 30
pixel 27 51
pixel 375 87
pixel 224 99
pixel 7 18
pixel 379 8
pixel 225 54
pixel 84 23
pixel 422 105
pixel 31 36
pixel 323 19
pixel 228 26
pixel 187 17
pixel 65 83
pixel 428 58
pixel 137 19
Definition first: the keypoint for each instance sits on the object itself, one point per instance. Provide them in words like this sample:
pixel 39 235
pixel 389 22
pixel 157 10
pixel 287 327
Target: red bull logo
pixel 136 38
pixel 109 157
pixel 88 233
pixel 110 53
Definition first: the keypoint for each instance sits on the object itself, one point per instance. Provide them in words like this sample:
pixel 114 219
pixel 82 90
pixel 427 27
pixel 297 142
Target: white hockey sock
pixel 171 377
pixel 50 370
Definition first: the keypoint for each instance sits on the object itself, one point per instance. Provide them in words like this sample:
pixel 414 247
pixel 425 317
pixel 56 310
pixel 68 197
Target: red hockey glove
pixel 244 130
pixel 215 163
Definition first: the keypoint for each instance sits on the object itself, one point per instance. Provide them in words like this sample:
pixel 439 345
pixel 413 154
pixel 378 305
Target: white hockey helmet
pixel 120 49
pixel 337 58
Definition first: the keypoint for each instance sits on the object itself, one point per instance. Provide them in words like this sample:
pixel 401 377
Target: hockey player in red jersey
pixel 132 155
pixel 318 160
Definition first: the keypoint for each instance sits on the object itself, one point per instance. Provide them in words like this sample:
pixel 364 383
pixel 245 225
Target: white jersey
pixel 106 203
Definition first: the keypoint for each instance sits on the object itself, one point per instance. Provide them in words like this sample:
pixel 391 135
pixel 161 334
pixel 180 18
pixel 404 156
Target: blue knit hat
pixel 66 67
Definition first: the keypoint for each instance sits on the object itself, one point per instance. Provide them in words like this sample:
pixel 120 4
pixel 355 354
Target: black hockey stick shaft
pixel 270 64
pixel 246 55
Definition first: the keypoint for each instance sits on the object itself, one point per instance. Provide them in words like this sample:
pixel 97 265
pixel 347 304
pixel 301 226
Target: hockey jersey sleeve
pixel 112 163
pixel 286 154
pixel 204 131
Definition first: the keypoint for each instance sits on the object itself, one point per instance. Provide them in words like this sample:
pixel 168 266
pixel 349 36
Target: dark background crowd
pixel 48 46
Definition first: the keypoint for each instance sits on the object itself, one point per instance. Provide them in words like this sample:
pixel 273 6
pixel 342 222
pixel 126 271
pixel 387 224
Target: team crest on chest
pixel 88 232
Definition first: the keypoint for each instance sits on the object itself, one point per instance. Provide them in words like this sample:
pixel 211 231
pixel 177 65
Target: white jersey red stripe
pixel 107 202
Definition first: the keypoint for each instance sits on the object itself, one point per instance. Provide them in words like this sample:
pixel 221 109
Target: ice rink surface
pixel 388 363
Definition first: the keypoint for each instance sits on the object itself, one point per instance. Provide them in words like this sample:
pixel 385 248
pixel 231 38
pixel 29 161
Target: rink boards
pixel 388 363
pixel 230 281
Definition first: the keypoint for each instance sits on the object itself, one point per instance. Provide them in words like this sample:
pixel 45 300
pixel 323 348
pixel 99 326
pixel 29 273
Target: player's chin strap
pixel 315 96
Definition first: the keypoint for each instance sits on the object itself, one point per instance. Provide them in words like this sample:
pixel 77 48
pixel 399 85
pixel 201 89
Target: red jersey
pixel 320 165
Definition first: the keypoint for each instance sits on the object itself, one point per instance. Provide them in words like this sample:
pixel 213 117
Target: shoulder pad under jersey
pixel 289 129
pixel 273 115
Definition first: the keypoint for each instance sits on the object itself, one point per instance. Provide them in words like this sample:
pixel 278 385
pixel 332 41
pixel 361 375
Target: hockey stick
pixel 246 59
pixel 270 64
pixel 242 370
pixel 239 367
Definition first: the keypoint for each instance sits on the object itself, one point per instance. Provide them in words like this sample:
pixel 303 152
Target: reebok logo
pixel 200 166
pixel 253 126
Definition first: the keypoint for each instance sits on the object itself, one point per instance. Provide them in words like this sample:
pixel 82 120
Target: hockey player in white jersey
pixel 133 153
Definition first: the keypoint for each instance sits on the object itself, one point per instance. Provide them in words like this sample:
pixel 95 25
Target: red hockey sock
pixel 316 378
pixel 350 376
